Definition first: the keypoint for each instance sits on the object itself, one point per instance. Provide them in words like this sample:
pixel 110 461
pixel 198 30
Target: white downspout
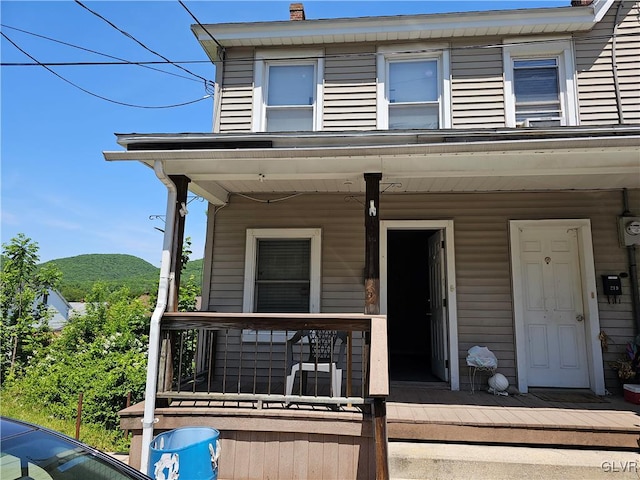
pixel 148 419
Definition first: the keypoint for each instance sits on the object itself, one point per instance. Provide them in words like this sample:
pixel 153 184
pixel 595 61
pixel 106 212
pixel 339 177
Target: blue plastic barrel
pixel 189 453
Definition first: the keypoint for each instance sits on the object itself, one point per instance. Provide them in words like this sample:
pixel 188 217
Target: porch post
pixel 372 307
pixel 182 183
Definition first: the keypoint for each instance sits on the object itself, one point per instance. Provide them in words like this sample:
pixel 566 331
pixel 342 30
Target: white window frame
pixel 251 258
pixel 414 51
pixel 532 48
pixel 263 59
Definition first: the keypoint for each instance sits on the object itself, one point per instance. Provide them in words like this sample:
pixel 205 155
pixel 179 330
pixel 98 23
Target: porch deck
pixel 272 440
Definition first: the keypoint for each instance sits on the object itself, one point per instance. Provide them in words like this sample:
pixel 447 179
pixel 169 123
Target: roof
pixel 556 20
pixel 451 160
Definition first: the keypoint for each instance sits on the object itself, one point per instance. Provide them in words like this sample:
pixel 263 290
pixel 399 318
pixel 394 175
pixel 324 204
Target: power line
pixel 95 94
pixel 202 26
pixel 208 84
pixel 141 64
pixel 91 64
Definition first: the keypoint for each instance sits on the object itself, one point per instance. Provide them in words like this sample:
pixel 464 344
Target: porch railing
pixel 249 357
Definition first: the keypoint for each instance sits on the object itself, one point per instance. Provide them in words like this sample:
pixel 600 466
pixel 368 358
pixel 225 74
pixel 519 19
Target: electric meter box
pixel 629 231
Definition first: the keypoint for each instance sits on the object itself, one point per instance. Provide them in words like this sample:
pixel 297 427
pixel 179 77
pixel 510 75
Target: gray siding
pixel 477 89
pixel 485 310
pixel 596 86
pixel 350 88
pixel 237 91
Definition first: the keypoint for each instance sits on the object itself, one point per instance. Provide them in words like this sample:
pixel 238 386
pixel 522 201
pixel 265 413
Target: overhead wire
pixel 202 26
pixel 122 61
pixel 95 94
pixel 208 84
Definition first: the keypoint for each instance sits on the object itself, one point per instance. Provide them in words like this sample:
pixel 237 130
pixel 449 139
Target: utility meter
pixel 629 231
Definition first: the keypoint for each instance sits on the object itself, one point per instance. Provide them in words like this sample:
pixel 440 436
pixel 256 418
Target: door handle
pixel 580 318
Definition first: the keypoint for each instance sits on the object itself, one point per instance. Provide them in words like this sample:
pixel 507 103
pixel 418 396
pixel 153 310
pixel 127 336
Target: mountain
pixel 80 273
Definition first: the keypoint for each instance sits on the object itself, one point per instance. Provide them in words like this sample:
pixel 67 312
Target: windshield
pixel 39 455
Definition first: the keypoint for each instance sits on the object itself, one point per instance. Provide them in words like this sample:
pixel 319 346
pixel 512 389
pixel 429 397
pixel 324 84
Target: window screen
pixel 283 276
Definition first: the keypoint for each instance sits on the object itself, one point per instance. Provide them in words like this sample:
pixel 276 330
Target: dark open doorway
pixel 409 306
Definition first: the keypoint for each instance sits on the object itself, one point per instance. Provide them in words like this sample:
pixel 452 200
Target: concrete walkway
pixel 435 461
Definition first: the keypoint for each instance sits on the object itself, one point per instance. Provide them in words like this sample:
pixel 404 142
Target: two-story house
pixel 471 177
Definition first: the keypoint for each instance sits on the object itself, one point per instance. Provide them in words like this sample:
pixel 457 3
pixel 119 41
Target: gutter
pixel 148 419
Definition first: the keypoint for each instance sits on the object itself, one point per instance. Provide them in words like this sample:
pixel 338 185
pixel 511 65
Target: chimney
pixel 581 3
pixel 296 11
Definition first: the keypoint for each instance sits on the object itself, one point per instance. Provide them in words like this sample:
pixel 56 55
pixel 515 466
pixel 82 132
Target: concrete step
pixel 435 461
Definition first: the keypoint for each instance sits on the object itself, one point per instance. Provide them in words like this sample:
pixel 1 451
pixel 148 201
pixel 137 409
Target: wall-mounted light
pixel 372 208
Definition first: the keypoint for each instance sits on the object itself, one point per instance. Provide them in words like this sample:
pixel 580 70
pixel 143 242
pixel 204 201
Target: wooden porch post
pixel 182 183
pixel 372 307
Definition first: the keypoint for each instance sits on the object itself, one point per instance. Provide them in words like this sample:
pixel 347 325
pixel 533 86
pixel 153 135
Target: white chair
pixel 322 358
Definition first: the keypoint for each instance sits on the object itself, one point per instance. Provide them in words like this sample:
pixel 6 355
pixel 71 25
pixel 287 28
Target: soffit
pixel 396 28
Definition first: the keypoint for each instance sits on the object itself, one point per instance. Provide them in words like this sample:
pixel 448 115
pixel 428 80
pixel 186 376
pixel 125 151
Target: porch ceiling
pixel 415 163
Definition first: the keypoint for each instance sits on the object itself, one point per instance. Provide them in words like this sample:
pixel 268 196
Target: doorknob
pixel 580 318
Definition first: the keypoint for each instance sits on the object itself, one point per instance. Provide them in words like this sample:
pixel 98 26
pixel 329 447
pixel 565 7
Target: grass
pixel 13 406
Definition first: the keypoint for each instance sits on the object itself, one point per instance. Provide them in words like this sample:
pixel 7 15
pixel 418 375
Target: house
pixel 58 307
pixel 424 183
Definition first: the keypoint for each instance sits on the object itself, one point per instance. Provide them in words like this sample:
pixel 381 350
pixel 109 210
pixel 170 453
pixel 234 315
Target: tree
pixel 24 315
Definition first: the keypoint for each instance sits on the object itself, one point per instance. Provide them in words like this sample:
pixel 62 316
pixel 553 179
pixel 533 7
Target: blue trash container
pixel 189 453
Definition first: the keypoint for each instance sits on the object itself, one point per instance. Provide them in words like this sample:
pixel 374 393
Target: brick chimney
pixel 581 3
pixel 296 11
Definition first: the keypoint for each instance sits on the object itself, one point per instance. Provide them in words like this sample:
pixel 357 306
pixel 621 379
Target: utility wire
pixel 95 94
pixel 122 61
pixel 208 84
pixel 202 26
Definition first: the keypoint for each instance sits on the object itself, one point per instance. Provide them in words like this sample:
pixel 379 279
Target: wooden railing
pixel 249 357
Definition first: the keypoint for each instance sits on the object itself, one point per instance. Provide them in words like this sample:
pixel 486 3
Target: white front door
pixel 554 315
pixel 437 287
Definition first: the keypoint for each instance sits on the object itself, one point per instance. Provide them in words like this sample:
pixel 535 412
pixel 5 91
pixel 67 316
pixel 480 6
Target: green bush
pixel 102 354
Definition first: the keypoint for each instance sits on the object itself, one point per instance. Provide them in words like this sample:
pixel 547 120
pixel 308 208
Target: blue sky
pixel 56 188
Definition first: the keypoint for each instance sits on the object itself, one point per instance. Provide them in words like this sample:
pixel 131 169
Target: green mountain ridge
pixel 81 272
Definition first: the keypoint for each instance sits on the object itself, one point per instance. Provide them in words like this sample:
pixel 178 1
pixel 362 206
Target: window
pixel 413 89
pixel 536 90
pixel 287 92
pixel 282 274
pixel 282 277
pixel 539 84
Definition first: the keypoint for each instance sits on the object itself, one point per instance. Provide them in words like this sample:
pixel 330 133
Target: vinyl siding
pixel 477 86
pixel 350 88
pixel 237 91
pixel 483 270
pixel 596 88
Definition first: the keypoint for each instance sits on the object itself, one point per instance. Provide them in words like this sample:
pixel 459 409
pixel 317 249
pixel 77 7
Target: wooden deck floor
pixel 544 417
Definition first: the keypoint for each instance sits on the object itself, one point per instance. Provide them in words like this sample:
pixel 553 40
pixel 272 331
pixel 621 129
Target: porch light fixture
pixel 372 208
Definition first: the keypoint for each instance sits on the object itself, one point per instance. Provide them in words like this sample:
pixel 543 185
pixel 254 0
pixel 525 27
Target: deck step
pixel 435 461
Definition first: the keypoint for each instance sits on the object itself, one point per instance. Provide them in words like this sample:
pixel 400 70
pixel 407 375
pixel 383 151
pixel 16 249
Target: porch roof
pixel 410 161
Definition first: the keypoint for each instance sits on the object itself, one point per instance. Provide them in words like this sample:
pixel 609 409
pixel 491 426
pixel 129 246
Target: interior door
pixel 437 295
pixel 553 308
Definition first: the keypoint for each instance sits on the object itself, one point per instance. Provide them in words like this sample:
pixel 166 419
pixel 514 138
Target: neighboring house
pixel 470 176
pixel 59 308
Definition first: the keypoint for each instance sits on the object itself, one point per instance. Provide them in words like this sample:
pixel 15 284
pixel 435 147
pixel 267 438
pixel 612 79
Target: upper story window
pixel 288 91
pixel 413 88
pixel 540 85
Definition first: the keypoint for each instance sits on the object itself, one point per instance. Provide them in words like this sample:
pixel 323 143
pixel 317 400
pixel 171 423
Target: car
pixel 30 452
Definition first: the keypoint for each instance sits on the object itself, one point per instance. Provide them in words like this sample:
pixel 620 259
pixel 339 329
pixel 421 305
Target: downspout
pixel 614 64
pixel 148 418
pixel 633 270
